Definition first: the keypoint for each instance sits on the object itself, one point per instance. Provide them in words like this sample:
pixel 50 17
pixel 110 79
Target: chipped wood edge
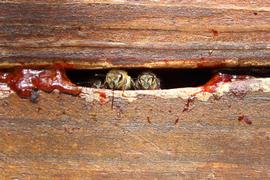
pixel 222 88
pixel 248 85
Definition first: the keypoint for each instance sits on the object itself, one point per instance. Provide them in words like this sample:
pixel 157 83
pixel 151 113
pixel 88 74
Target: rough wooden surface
pixel 66 137
pixel 105 34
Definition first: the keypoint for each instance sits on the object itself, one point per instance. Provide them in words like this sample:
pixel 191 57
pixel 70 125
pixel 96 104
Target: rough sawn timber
pixel 66 137
pixel 106 34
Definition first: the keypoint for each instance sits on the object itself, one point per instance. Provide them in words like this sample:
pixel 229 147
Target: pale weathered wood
pixel 105 34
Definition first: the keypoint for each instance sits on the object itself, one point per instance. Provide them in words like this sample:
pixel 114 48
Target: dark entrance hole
pixel 170 78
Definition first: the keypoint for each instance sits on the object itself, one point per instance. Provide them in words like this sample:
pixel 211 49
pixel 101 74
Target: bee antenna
pixel 99 75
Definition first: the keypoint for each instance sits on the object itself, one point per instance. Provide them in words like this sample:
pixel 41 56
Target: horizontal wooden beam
pixel 107 34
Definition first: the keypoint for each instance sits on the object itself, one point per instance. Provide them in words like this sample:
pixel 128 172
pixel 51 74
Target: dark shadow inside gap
pixel 170 78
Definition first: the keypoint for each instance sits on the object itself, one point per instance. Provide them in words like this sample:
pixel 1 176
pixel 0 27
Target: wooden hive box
pixel 147 134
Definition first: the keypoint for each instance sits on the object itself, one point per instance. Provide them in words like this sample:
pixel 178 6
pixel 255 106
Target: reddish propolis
pixel 102 97
pixel 215 32
pixel 212 85
pixel 245 119
pixel 24 81
pixel 188 103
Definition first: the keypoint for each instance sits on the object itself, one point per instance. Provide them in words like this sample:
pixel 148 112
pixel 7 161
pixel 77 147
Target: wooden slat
pixel 106 34
pixel 66 137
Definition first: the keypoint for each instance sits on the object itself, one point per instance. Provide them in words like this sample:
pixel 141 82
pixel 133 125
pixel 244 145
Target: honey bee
pixel 96 83
pixel 118 80
pixel 147 81
pixel 93 83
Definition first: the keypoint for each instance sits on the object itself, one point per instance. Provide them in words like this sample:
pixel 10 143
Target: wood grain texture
pixel 105 34
pixel 65 137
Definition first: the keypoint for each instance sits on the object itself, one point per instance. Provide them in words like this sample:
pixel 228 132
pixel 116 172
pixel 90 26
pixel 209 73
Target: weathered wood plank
pixel 142 136
pixel 66 137
pixel 101 34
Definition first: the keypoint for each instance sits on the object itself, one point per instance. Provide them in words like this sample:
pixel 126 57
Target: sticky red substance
pixel 176 121
pixel 245 119
pixel 166 61
pixel 188 103
pixel 102 96
pixel 213 83
pixel 215 32
pixel 23 81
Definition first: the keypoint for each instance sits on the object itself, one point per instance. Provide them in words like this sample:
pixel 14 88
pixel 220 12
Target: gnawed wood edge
pixel 222 88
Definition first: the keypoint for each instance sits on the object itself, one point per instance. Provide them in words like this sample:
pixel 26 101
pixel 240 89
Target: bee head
pixel 96 83
pixel 114 78
pixel 148 80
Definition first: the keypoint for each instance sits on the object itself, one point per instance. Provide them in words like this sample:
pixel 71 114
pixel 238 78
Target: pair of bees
pixel 120 80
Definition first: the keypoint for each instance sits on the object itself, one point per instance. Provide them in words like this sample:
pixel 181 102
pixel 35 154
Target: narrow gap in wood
pixel 169 78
